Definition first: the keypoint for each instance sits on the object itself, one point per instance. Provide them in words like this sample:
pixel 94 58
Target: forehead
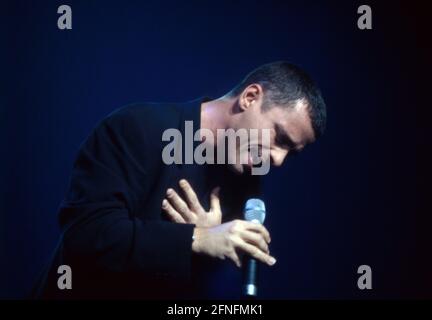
pixel 294 121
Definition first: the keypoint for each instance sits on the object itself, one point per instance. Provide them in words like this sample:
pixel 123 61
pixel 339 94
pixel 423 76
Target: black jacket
pixel 115 237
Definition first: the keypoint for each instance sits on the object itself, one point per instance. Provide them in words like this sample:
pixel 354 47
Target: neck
pixel 215 114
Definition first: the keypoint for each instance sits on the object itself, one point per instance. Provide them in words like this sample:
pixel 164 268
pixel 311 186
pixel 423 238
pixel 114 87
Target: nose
pixel 278 157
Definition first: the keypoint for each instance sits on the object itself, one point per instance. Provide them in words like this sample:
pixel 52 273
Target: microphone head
pixel 255 211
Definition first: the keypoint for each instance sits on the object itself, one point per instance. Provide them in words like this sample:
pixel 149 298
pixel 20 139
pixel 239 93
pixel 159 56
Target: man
pixel 136 227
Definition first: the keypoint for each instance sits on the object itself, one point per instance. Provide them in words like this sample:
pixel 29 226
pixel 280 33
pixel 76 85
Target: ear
pixel 250 96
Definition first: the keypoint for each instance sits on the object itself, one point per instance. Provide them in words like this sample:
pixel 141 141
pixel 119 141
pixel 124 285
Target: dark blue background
pixel 347 200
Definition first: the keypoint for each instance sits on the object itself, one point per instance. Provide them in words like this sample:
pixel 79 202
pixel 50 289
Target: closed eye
pixel 283 139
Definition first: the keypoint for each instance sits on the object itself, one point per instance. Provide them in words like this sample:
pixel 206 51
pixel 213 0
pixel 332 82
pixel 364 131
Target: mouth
pixel 249 161
pixel 256 151
pixel 247 170
pixel 252 157
pixel 247 167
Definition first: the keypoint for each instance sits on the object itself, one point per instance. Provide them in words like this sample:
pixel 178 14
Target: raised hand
pixel 190 209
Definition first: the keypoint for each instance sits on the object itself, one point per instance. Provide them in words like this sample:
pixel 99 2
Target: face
pixel 290 129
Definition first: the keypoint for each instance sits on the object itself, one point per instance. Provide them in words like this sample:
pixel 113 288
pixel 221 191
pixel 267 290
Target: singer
pixel 135 227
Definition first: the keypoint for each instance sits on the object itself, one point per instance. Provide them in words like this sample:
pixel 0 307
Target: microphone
pixel 255 212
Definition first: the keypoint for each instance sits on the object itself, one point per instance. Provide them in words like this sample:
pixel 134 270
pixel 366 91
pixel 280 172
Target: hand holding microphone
pixel 228 239
pixel 214 239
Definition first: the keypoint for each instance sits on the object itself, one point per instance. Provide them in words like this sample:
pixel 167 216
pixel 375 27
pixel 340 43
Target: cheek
pixel 255 120
pixel 250 122
pixel 244 122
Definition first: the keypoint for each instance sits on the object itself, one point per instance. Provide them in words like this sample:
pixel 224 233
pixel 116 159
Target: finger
pixel 252 226
pixel 172 213
pixel 179 205
pixel 235 258
pixel 255 239
pixel 254 252
pixel 214 200
pixel 190 195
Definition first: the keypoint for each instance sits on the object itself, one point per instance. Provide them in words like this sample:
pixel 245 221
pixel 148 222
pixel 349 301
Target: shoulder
pixel 131 134
pixel 135 128
pixel 150 117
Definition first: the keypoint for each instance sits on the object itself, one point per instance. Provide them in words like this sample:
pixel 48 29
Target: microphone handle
pixel 250 278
